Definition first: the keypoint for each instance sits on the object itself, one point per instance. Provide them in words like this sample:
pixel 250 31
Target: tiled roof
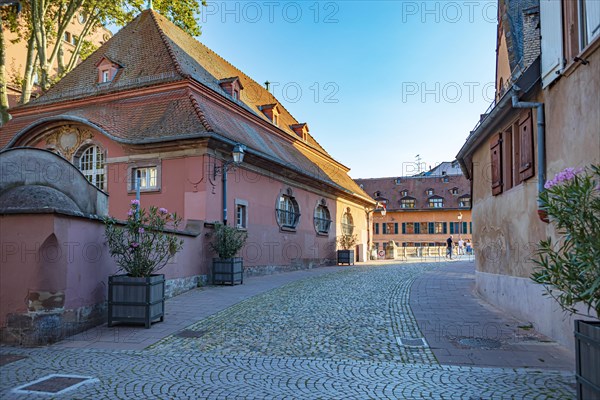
pixel 151 51
pixel 391 189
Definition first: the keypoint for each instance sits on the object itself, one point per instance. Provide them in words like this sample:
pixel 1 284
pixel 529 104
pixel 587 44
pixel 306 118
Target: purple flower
pixel 134 245
pixel 565 175
pixel 130 212
pixel 163 211
pixel 141 230
pixel 135 203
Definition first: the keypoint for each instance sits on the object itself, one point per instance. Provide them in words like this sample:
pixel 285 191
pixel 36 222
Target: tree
pixel 42 24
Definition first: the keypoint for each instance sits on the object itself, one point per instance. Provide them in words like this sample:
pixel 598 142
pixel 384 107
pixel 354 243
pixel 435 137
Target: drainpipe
pixel 541 143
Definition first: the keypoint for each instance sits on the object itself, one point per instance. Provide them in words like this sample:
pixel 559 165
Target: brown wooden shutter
pixel 526 170
pixel 496 153
pixel 507 159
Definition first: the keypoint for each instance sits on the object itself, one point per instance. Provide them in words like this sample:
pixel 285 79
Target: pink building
pixel 153 103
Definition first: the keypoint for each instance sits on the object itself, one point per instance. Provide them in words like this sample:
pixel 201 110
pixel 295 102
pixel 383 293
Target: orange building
pixel 421 210
pixel 16 54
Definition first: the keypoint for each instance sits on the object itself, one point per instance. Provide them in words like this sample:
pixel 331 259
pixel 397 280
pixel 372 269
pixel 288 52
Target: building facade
pixel 155 106
pixel 422 211
pixel 544 119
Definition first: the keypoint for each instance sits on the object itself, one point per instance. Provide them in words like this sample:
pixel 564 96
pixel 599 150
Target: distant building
pixel 421 210
pixel 544 119
pixel 16 54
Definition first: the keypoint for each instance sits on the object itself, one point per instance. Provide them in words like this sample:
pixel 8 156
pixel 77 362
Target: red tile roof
pixel 391 189
pixel 153 51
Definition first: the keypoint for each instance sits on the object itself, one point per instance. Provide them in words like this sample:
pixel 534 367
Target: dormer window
pixel 232 86
pixel 404 193
pixel 301 130
pixel 454 190
pixel 430 192
pixel 398 181
pixel 272 112
pixel 107 70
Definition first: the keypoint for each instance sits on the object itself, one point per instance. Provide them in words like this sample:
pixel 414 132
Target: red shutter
pixel 526 170
pixel 496 152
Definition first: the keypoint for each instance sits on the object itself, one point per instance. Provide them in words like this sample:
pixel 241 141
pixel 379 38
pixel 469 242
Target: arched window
pixel 288 212
pixel 347 223
pixel 322 219
pixel 91 164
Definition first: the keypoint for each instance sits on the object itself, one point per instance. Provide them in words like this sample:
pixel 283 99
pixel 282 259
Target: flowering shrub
pixel 347 242
pixel 141 247
pixel 228 241
pixel 570 268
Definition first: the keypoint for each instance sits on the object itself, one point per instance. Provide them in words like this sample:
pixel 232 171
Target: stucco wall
pixel 54 273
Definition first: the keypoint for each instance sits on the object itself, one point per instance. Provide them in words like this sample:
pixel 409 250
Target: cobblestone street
pixel 347 334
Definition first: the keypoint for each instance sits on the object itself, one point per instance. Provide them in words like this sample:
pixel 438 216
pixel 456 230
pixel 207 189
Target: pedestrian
pixel 469 247
pixel 449 247
pixel 461 246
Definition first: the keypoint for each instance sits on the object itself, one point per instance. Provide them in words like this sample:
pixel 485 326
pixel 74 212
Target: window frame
pixel 144 164
pixel 93 174
pixel 287 218
pixel 241 205
pixel 319 221
pixel 431 202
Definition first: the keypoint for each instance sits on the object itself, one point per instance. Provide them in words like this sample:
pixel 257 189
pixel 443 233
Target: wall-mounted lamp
pixel 237 158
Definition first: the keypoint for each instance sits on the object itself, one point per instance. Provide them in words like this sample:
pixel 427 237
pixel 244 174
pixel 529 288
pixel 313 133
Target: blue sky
pixel 378 82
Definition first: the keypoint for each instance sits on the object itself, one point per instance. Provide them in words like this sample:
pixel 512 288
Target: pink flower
pixel 163 211
pixel 135 203
pixel 134 245
pixel 565 175
pixel 141 230
pixel 130 212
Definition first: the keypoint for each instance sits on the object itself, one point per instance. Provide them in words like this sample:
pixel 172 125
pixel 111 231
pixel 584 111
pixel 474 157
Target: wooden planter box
pixel 587 356
pixel 345 257
pixel 228 270
pixel 136 300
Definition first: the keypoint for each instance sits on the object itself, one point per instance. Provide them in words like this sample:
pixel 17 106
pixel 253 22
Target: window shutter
pixel 451 227
pixel 551 33
pixel 417 227
pixel 377 228
pixel 496 153
pixel 404 228
pixel 396 228
pixel 445 227
pixel 526 169
pixel 384 228
pixel 464 227
pixel 470 227
pixel 431 227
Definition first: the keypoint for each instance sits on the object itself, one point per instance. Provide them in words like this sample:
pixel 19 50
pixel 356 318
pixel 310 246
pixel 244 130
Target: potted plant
pixel 141 247
pixel 570 267
pixel 346 254
pixel 227 242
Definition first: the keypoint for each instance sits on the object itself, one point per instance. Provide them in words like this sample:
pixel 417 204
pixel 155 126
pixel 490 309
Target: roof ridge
pixel 165 40
pixel 199 112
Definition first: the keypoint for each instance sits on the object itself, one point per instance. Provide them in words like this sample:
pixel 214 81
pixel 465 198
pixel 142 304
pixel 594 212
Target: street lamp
pixel 238 158
pixel 459 224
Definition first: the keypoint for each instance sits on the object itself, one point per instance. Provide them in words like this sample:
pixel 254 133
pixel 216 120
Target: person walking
pixel 461 246
pixel 449 247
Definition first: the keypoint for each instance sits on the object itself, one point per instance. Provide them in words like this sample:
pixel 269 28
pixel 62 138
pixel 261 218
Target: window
pixel 512 155
pixel 445 179
pixel 454 191
pixel 440 227
pixel 347 223
pixel 105 76
pixel 464 202
pixel 430 192
pixel 322 219
pixel 423 228
pixel 436 202
pixel 408 228
pixel 148 178
pixel 288 212
pixel 236 94
pixel 376 228
pixel 82 18
pixel 404 193
pixel 91 164
pixel 241 214
pixel 407 203
pixel 275 118
pixel 398 181
pixel 390 228
pixel 67 37
pixel 74 40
